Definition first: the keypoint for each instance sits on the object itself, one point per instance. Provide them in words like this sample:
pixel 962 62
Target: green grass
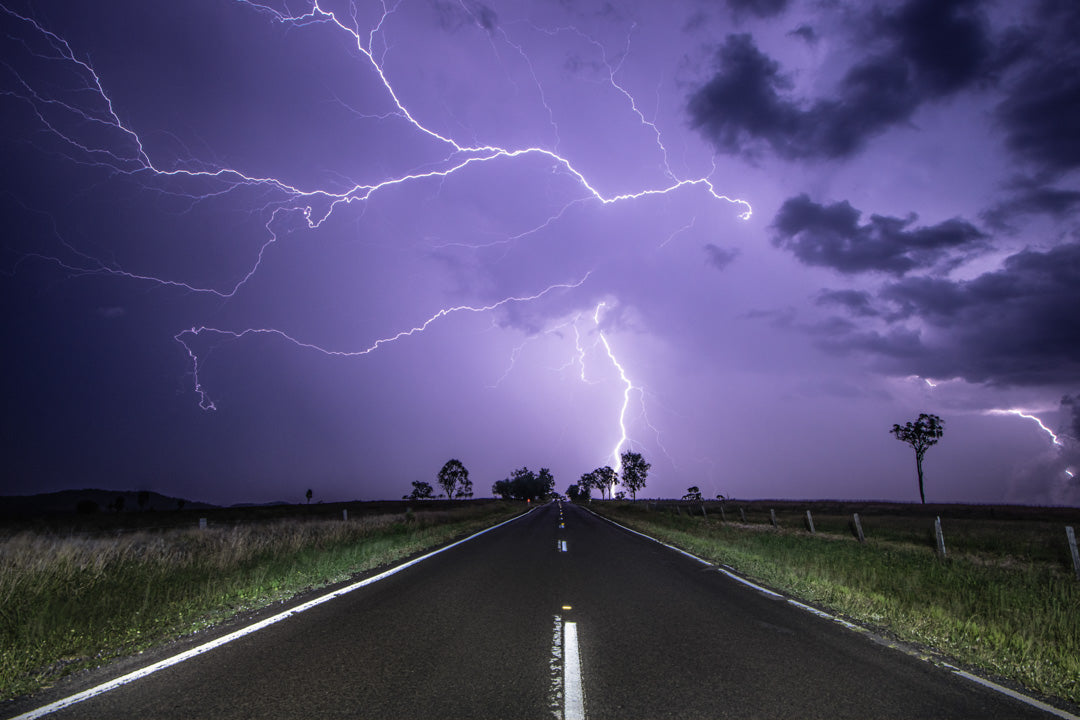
pixel 73 601
pixel 985 606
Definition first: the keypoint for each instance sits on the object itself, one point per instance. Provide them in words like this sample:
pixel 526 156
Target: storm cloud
pixel 832 236
pixel 933 50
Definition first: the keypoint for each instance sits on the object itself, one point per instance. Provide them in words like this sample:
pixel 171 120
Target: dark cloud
pixel 1042 113
pixel 757 8
pixel 831 236
pixel 856 302
pixel 806 32
pixel 1042 110
pixel 1014 326
pixel 720 257
pixel 1071 404
pixel 932 49
pixel 1029 197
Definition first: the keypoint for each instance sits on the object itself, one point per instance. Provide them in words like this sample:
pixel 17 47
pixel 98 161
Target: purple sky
pixel 251 248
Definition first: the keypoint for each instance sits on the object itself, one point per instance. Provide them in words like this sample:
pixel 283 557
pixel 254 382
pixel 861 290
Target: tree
pixel 464 489
pixel 603 479
pixel 503 489
pixel 308 495
pixel 452 476
pixel 524 484
pixel 920 435
pixel 421 490
pixel 692 493
pixel 634 472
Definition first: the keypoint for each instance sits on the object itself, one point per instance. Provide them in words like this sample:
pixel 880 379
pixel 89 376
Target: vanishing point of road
pixel 557 614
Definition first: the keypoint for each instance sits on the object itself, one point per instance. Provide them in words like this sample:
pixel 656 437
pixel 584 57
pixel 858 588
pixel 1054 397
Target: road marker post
pixel 858 528
pixel 810 522
pixel 1072 549
pixel 772 517
pixel 940 538
pixel 202 523
pixel 742 514
pixel 345 513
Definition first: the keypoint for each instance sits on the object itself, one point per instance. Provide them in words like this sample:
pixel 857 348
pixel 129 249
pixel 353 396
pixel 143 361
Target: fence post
pixel 858 529
pixel 772 516
pixel 939 536
pixel 1072 548
pixel 345 513
pixel 703 511
pixel 810 521
pixel 742 513
pixel 723 515
pixel 202 523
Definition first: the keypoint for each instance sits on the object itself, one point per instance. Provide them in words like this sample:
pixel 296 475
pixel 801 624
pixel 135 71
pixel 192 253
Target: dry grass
pixel 69 601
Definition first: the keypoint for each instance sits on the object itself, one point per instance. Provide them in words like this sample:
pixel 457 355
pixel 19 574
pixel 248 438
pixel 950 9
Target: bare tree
pixel 920 435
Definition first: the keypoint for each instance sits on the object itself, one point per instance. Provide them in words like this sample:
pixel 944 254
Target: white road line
pixel 205 647
pixel 1064 714
pixel 573 700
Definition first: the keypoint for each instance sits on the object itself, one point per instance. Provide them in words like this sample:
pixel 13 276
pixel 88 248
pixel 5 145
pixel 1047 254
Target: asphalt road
pixel 478 632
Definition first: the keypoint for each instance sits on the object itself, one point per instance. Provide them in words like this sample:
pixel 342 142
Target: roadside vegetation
pixel 1004 600
pixel 71 600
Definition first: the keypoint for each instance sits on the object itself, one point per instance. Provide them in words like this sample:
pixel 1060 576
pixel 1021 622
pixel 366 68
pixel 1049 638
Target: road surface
pixel 486 629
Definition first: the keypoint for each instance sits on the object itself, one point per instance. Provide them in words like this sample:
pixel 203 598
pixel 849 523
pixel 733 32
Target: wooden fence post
pixel 858 529
pixel 810 521
pixel 939 536
pixel 1072 549
pixel 772 516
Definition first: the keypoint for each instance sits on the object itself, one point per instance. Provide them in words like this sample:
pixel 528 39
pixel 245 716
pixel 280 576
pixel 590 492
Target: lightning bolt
pixel 1026 416
pixel 100 138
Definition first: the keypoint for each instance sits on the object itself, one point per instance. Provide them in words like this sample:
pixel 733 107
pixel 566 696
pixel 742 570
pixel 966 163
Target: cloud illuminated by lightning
pixel 122 151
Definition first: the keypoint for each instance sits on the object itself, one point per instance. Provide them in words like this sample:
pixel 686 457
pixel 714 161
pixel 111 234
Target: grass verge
pixel 76 601
pixel 1016 620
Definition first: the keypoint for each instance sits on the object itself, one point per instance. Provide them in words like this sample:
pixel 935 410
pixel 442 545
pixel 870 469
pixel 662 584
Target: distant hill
pixel 72 501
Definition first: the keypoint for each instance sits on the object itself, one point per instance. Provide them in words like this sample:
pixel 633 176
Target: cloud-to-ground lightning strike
pixel 128 156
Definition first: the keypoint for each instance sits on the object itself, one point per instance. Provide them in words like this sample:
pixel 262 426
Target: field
pixel 77 591
pixel 1004 600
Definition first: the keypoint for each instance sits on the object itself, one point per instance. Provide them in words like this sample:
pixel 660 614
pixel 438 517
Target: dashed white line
pixel 573 699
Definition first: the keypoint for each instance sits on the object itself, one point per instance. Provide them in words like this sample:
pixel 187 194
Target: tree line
pixel 524 484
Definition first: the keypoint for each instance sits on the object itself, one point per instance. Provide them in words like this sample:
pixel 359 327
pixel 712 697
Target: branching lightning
pixel 97 117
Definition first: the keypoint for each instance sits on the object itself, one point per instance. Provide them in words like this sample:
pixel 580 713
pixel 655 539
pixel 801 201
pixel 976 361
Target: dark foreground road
pixel 480 631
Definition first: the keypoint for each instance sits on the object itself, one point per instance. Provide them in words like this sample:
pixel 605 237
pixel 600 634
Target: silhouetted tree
pixel 920 435
pixel 308 495
pixel 634 472
pixel 604 478
pixel 464 489
pixel 502 489
pixel 692 493
pixel 180 502
pixel 421 490
pixel 524 484
pixel 452 476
